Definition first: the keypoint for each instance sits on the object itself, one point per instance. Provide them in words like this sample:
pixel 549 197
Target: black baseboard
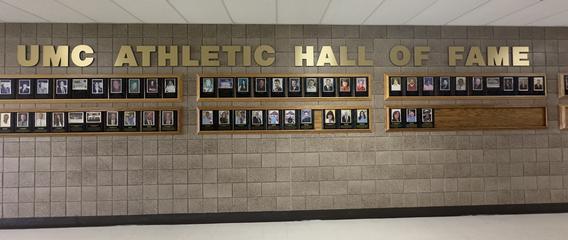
pixel 279 216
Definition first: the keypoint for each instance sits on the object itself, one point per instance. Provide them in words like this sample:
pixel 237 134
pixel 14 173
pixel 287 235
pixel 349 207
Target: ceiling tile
pixel 12 14
pixel 533 13
pixel 443 11
pixel 301 11
pixel 199 11
pixel 103 11
pixel 252 11
pixel 492 11
pixel 395 12
pixel 50 10
pixel 349 11
pixel 556 20
pixel 151 11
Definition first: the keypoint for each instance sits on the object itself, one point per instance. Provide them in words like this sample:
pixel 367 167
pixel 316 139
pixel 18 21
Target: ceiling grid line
pixel 417 14
pixel 325 11
pixel 124 9
pixel 547 17
pixel 24 10
pixel 75 10
pixel 177 11
pixel 471 10
pixel 373 12
pixel 227 10
pixel 511 13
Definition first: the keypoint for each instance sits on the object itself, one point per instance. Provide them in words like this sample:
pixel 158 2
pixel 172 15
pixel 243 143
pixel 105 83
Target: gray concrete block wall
pixel 187 173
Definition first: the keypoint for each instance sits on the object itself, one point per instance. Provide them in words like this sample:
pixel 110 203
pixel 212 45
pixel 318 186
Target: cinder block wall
pixel 187 173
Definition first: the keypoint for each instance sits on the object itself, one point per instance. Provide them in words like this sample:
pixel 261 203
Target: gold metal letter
pixel 259 55
pixel 300 56
pixel 344 58
pixel 475 57
pixel 210 56
pixel 164 56
pixel 22 55
pixel 247 60
pixel 125 56
pixel 231 54
pixel 326 57
pixel 146 54
pixel 403 59
pixel 361 57
pixel 186 60
pixel 454 54
pixel 420 54
pixel 521 56
pixel 498 57
pixel 86 59
pixel 55 57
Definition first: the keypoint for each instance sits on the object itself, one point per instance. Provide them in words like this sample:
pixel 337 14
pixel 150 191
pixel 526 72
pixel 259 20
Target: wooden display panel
pixel 562 90
pixel 269 98
pixel 89 96
pixel 68 132
pixel 456 118
pixel 388 96
pixel 317 117
pixel 563 116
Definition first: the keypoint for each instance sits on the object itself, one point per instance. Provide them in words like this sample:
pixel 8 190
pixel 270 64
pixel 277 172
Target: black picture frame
pixel 328 87
pixel 207 87
pixel 278 87
pixel 243 87
pixel 62 88
pixel 311 87
pixel 166 124
pixel 117 88
pixel 135 87
pixel 169 88
pixel 295 87
pixel 261 87
pixel 150 124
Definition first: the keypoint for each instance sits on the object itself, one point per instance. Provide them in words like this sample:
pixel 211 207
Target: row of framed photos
pixel 90 121
pixel 279 87
pixel 282 119
pixel 466 85
pixel 411 118
pixel 88 88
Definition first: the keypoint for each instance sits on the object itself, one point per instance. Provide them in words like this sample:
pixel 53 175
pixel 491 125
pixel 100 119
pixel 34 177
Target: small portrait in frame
pixel 426 115
pixel 461 84
pixel 76 117
pixel 345 116
pixel 306 117
pixel 294 85
pixel 428 84
pixel 207 117
pixel 5 87
pixel 5 120
pixel 362 116
pixel 116 85
pixel 40 119
pixel 112 119
pixel 149 118
pixel 344 84
pixel 242 84
pixel 395 115
pixel 24 87
pixel 361 84
pixel 58 120
pixel 395 84
pixel 225 83
pixel 129 118
pixel 97 86
pixel 94 117
pixel 523 84
pixel 134 85
pixel 42 86
pixel 240 117
pixel 508 84
pixel 311 85
pixel 208 85
pixel 260 84
pixel 328 85
pixel 411 115
pixel 290 117
pixel 170 85
pixel 23 120
pixel 277 85
pixel 79 84
pixel 493 82
pixel 224 117
pixel 167 118
pixel 538 84
pixel 444 83
pixel 477 83
pixel 411 84
pixel 257 117
pixel 152 85
pixel 273 117
pixel 329 116
pixel 61 86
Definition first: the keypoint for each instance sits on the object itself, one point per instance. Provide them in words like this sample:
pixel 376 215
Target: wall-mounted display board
pixel 283 120
pixel 131 121
pixel 463 86
pixel 90 88
pixel 562 85
pixel 283 87
pixel 455 118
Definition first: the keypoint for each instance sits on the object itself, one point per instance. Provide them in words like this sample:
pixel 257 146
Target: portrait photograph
pixel 395 115
pixel 329 116
pixel 538 84
pixel 58 120
pixel 61 86
pixel 79 84
pixel 5 87
pixel 328 85
pixel 129 118
pixel 411 115
pixel 240 117
pixel 24 87
pixel 311 85
pixel 168 118
pixel 477 83
pixel 257 117
pixel 208 85
pixel 426 115
pixel 273 117
pixel 151 85
pixel 345 116
pixel 225 83
pixel 344 84
pixel 306 117
pixel 40 119
pixel 493 82
pixel 411 84
pixel 134 85
pixel 523 84
pixel 242 84
pixel 277 85
pixel 461 84
pixel 112 118
pixel 362 116
pixel 116 85
pixel 260 84
pixel 444 83
pixel 428 84
pixel 5 120
pixel 207 118
pixel 170 85
pixel 148 118
pixel 361 84
pixel 508 84
pixel 294 85
pixel 75 117
pixel 224 117
pixel 94 117
pixel 97 86
pixel 22 120
pixel 395 84
pixel 289 116
pixel 42 86
pixel 565 82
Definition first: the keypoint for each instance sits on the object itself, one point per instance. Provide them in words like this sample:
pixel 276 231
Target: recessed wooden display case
pixel 462 86
pixel 71 88
pixel 288 120
pixel 563 116
pixel 456 118
pixel 278 87
pixel 91 121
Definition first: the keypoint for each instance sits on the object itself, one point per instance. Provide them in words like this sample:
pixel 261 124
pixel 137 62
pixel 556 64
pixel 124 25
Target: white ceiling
pixel 347 12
